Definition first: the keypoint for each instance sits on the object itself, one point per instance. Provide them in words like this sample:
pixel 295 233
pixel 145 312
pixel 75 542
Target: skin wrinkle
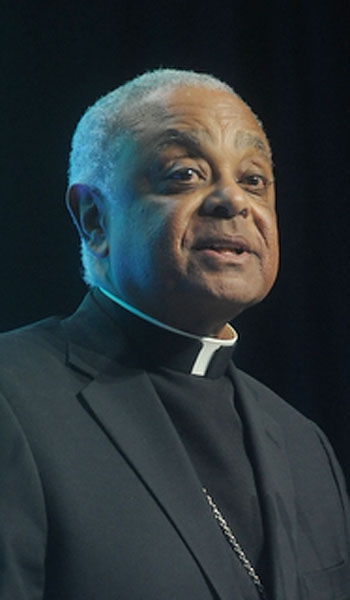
pixel 170 177
pixel 245 139
pixel 192 146
pixel 190 141
pixel 159 106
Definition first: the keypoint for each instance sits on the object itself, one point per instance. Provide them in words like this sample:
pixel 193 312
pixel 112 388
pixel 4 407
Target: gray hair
pixel 100 132
pixel 96 140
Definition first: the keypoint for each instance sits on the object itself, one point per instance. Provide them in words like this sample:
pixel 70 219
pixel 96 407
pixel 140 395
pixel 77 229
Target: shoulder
pixel 268 400
pixel 309 458
pixel 303 440
pixel 24 344
pixel 305 444
pixel 32 358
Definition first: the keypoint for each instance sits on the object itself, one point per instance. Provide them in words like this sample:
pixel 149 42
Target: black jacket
pixel 99 500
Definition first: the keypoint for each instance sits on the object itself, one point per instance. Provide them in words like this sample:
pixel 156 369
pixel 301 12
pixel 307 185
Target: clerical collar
pixel 171 347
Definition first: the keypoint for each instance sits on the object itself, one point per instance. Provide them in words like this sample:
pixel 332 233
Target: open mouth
pixel 235 246
pixel 237 249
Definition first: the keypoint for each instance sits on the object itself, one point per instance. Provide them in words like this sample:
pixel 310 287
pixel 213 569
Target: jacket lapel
pixel 275 485
pixel 127 407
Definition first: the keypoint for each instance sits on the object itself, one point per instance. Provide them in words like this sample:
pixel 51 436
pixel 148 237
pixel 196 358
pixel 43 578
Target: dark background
pixel 289 60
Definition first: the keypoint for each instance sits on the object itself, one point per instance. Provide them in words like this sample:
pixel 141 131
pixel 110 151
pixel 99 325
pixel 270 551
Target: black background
pixel 289 60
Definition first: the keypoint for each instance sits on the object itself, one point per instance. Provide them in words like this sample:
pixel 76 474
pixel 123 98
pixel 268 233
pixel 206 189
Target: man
pixel 137 462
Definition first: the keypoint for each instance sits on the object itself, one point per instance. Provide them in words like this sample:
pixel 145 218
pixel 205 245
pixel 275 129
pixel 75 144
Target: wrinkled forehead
pixel 195 113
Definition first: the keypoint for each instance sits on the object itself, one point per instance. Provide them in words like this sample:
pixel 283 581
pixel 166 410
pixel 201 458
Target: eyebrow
pixel 246 139
pixel 188 140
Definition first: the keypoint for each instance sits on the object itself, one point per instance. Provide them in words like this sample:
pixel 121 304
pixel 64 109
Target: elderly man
pixel 137 462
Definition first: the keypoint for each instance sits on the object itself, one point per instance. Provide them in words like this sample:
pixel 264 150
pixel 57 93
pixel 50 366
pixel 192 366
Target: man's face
pixel 191 224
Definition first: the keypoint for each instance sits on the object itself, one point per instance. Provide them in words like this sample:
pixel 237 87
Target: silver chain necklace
pixel 237 548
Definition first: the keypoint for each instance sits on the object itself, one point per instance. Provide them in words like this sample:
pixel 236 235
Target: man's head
pixel 171 187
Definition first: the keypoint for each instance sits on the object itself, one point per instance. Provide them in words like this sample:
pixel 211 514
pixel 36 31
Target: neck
pixel 226 334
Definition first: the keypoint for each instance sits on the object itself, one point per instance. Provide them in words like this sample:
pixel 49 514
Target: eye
pixel 184 174
pixel 255 183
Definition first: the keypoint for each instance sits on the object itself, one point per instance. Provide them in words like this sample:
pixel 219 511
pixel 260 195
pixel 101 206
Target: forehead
pixel 193 115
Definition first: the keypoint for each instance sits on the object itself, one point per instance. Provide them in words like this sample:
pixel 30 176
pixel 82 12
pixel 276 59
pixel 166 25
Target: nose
pixel 225 202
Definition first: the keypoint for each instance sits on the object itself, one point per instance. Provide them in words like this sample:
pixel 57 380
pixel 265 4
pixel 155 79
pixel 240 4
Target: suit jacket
pixel 99 500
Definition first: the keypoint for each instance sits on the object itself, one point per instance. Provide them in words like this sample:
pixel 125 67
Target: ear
pixel 88 209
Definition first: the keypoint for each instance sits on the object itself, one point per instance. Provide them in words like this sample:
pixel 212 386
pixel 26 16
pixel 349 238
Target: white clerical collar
pixel 209 344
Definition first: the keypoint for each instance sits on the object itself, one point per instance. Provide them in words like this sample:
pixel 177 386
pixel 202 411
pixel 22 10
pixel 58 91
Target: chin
pixel 237 293
pixel 233 302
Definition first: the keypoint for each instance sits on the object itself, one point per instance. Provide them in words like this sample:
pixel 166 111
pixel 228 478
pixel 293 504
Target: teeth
pixel 222 249
pixel 235 250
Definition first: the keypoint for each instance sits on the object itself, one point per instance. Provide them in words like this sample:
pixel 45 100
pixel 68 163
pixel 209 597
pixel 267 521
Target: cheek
pixel 267 226
pixel 150 238
pixel 272 243
pixel 166 228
